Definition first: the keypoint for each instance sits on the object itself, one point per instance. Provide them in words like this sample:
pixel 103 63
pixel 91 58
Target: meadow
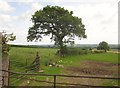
pixel 95 64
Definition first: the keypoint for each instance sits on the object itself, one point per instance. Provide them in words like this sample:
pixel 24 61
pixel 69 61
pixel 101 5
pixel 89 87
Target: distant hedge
pixel 76 51
pixel 33 46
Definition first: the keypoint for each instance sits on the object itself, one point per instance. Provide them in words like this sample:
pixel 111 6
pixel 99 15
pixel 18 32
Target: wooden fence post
pixel 36 63
pixel 9 73
pixel 5 66
pixel 54 81
pixel 26 66
pixel 0 59
pixel 1 79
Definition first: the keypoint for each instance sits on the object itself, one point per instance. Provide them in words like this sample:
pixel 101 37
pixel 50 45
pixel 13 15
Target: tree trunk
pixel 61 47
pixel 5 66
pixel 105 50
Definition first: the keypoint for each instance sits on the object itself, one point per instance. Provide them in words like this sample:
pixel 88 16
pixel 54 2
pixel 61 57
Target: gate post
pixel 5 66
pixel 1 60
pixel 54 81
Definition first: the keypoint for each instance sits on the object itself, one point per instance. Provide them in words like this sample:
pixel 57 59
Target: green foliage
pixel 57 22
pixel 103 46
pixel 5 48
pixel 75 51
pixel 5 38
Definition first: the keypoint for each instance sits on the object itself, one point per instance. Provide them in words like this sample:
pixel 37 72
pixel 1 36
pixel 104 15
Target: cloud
pixel 28 13
pixel 22 23
pixel 100 21
pixel 18 0
pixel 5 7
pixel 4 18
pixel 78 2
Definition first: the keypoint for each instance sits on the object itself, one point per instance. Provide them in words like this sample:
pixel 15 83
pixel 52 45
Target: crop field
pixel 93 64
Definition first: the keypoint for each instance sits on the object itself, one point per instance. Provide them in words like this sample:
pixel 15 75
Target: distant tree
pixel 57 22
pixel 103 46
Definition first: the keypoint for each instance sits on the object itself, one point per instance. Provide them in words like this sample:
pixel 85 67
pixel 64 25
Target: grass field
pixel 72 64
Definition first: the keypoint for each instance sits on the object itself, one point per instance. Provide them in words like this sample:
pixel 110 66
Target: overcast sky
pixel 100 18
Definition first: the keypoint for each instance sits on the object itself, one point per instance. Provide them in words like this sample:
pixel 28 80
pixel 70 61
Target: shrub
pixel 76 51
pixel 99 51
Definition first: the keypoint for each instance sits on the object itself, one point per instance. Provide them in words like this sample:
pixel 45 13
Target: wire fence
pixel 55 83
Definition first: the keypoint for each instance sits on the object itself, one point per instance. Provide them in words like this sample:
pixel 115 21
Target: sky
pixel 100 18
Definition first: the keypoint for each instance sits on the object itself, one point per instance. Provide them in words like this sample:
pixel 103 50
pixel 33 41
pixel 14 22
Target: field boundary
pixel 67 84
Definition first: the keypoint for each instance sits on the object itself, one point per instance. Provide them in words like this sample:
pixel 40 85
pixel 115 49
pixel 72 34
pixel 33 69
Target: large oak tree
pixel 58 23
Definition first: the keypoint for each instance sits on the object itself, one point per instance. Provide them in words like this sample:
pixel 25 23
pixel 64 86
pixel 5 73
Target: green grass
pixel 19 55
pixel 103 57
pixel 110 83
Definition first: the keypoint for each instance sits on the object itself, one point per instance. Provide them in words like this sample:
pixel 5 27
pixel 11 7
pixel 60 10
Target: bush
pixel 76 51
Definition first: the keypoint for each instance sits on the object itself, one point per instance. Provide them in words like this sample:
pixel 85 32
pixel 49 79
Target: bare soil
pixel 95 68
